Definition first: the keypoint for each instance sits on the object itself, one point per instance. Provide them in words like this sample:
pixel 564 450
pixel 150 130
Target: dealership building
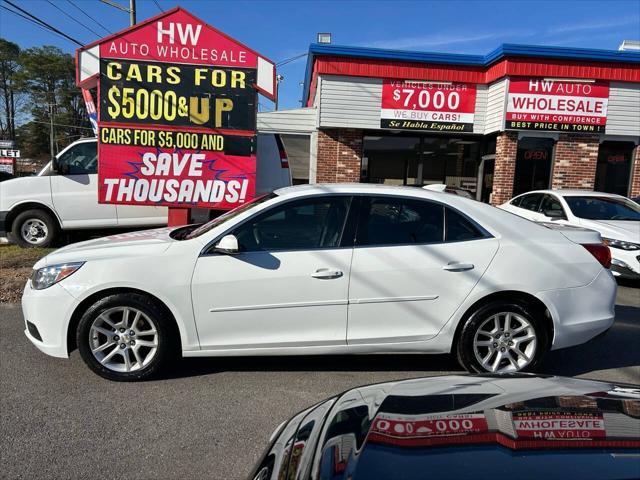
pixel 517 119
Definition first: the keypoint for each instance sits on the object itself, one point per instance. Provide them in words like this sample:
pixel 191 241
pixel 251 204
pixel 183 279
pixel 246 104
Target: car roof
pixel 361 188
pixel 574 193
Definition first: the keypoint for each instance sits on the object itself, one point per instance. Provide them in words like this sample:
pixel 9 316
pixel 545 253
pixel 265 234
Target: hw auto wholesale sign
pixel 428 106
pixel 177 113
pixel 557 105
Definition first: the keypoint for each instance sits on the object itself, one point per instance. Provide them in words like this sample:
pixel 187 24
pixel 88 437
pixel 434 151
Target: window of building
pixel 303 224
pixel 533 164
pixel 613 171
pixel 398 159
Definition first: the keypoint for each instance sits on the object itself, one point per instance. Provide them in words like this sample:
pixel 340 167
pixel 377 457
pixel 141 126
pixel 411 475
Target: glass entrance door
pixel 533 164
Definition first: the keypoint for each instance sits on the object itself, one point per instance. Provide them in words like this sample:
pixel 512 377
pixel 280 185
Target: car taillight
pixel 601 252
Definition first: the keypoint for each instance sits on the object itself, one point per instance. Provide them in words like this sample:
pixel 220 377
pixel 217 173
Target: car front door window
pixel 299 225
pixel 82 159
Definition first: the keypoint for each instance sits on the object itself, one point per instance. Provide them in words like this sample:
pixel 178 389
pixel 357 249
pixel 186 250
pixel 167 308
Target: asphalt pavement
pixel 211 418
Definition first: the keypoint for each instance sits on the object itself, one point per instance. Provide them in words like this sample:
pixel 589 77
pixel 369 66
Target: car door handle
pixel 327 273
pixel 458 267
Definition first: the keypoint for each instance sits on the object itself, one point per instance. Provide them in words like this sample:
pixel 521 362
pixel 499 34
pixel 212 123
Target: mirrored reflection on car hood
pixel 465 427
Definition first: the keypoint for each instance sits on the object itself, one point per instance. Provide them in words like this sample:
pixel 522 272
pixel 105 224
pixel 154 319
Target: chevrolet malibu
pixel 326 269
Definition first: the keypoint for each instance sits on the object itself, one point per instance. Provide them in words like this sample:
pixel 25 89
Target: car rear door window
pixel 551 203
pixel 307 224
pixel 531 202
pixel 458 228
pixel 399 221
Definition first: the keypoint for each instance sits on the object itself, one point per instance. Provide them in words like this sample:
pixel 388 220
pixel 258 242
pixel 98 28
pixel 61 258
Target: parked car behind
pixel 64 196
pixel 412 271
pixel 615 217
pixel 463 427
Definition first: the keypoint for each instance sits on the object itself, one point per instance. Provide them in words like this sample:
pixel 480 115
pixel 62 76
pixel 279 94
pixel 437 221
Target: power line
pixel 50 27
pixel 158 5
pixel 74 19
pixel 28 19
pixel 289 60
pixel 89 17
pixel 25 17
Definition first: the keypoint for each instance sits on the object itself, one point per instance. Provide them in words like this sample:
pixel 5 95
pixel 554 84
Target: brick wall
pixel 635 174
pixel 339 155
pixel 575 161
pixel 505 167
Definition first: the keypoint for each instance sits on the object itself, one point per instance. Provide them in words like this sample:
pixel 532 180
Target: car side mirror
pixel 54 164
pixel 227 245
pixel 554 213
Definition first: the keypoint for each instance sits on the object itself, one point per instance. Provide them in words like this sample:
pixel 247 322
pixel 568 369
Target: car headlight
pixel 621 244
pixel 46 276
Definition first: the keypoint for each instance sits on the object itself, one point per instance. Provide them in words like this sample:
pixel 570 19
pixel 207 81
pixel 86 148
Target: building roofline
pixel 503 51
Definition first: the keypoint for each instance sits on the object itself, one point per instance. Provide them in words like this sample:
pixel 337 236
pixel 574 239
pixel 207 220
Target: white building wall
pixel 623 112
pixel 495 109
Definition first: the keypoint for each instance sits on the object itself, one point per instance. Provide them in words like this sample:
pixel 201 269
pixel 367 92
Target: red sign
pixel 179 38
pixel 557 105
pixel 559 425
pixel 428 106
pixel 177 105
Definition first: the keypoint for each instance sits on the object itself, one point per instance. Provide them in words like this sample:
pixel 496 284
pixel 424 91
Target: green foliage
pixel 45 78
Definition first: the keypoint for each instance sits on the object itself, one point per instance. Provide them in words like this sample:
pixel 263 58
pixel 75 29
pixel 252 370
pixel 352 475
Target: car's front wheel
pixel 126 337
pixel 502 337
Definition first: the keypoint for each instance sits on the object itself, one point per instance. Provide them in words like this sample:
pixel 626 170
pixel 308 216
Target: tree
pixel 9 67
pixel 47 76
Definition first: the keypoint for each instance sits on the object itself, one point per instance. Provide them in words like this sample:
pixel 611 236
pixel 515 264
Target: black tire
pixel 168 342
pixel 35 216
pixel 465 346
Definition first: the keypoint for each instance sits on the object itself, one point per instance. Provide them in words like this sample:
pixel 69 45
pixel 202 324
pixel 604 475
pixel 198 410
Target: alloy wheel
pixel 123 339
pixel 505 342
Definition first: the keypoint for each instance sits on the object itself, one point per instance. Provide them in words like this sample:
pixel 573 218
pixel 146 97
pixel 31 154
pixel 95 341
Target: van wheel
pixel 126 337
pixel 502 337
pixel 34 228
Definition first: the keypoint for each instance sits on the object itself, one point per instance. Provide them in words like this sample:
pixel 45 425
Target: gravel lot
pixel 210 418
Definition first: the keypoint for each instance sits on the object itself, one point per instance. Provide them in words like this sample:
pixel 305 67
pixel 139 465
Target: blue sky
pixel 283 29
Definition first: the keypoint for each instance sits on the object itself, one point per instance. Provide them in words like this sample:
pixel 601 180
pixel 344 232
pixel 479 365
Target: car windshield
pixel 227 216
pixel 603 208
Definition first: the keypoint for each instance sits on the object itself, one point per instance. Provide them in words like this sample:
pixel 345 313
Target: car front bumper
pixel 580 314
pixel 48 311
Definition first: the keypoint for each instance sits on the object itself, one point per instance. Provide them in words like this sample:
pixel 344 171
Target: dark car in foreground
pixel 459 427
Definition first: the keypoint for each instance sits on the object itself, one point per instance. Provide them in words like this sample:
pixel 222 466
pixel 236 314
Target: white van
pixel 64 197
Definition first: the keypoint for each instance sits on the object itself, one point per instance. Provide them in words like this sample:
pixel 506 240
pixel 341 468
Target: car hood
pixel 627 230
pixel 444 425
pixel 132 244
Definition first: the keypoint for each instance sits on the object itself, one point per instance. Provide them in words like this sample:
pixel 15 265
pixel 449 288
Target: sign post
pixel 177 105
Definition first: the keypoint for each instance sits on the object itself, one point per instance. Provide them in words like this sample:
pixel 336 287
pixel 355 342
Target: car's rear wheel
pixel 502 337
pixel 34 228
pixel 126 337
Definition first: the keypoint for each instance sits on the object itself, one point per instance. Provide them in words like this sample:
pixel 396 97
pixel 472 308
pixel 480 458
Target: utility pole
pixel 279 78
pixel 131 10
pixel 51 139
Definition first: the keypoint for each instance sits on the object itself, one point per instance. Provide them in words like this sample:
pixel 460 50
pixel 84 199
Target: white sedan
pixel 324 269
pixel 616 218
